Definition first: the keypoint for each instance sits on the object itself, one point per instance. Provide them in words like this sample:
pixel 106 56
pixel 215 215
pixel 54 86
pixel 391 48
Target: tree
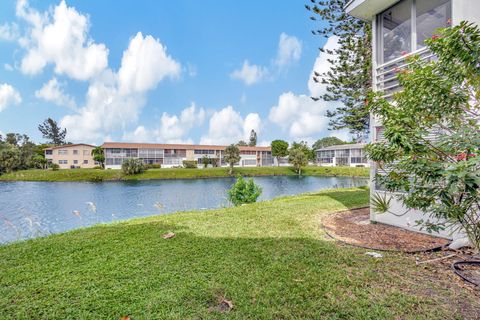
pixel 244 191
pixel 439 176
pixel 349 79
pixel 327 142
pixel 53 132
pixel 232 156
pixel 303 145
pixel 99 156
pixel 9 159
pixel 298 159
pixel 242 143
pixel 205 161
pixel 253 138
pixel 279 149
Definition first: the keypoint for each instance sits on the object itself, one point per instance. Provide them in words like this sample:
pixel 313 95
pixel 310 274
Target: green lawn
pixel 271 259
pixel 104 175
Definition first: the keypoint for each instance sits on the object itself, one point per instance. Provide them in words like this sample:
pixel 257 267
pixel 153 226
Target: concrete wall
pixel 83 153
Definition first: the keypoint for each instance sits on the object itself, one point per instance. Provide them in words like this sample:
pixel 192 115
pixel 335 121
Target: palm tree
pixel 98 156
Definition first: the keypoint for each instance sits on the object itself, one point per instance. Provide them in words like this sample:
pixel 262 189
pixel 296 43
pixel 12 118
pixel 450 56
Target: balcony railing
pixel 386 80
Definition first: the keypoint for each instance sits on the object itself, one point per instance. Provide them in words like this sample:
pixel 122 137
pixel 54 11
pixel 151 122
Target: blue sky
pixel 161 71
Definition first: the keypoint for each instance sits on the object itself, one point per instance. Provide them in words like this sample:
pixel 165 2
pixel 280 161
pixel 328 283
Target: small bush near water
pixel 133 166
pixel 190 164
pixel 244 191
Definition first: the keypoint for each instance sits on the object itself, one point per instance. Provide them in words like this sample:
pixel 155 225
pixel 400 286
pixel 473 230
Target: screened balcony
pixel 401 31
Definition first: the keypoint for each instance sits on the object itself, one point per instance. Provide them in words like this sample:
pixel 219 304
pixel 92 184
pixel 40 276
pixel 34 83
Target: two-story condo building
pixel 173 155
pixel 349 155
pixel 399 29
pixel 71 156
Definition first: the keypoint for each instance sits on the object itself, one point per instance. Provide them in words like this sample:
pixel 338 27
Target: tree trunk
pixel 231 169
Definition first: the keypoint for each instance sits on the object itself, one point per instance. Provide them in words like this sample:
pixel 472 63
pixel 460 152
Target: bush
pixel 154 166
pixel 133 166
pixel 244 191
pixel 190 164
pixel 97 167
pixel 55 166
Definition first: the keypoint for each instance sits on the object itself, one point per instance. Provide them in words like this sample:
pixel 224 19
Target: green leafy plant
pixel 231 156
pixel 244 191
pixel 430 158
pixel 297 159
pixel 133 166
pixel 205 161
pixel 55 167
pixel 190 164
pixel 279 149
pixel 99 156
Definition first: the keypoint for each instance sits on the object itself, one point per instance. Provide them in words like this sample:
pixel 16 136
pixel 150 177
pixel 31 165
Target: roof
pixel 109 145
pixel 344 146
pixel 367 9
pixel 69 146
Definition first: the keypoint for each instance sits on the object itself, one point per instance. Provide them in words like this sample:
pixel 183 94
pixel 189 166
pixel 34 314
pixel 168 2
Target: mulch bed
pixel 354 227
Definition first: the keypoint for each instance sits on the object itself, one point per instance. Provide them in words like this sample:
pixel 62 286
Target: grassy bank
pixel 105 175
pixel 271 259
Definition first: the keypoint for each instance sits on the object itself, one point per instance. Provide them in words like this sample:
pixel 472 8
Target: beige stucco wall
pixel 83 153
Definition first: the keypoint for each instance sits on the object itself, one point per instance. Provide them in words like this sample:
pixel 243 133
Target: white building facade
pixel 349 155
pixel 399 29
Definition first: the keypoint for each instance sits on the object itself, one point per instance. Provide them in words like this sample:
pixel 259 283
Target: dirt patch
pixel 354 227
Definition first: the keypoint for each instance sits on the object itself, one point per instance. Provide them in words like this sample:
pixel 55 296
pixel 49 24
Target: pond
pixel 32 209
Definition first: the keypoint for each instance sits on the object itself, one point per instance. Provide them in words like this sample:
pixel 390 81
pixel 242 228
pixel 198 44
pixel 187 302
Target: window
pixel 75 151
pixel 85 161
pixel 399 33
pixel 431 15
pixel 48 152
pixel 87 152
pixel 62 152
pixel 62 161
pixel 75 161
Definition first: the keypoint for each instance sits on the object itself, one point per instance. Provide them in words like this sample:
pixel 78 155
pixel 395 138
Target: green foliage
pixel 190 164
pixel 244 191
pixel 205 161
pixel 39 161
pixel 133 166
pixel 99 156
pixel 231 156
pixel 242 143
pixel 438 176
pixel 53 132
pixel 253 138
pixel 54 166
pixel 9 158
pixel 303 145
pixel 297 159
pixel 154 166
pixel 279 149
pixel 327 142
pixel 349 79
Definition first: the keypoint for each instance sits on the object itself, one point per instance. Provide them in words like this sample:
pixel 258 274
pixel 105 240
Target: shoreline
pixel 98 175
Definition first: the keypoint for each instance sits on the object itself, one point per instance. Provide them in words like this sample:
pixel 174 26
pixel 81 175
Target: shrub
pixel 154 166
pixel 190 164
pixel 133 166
pixel 55 166
pixel 244 191
pixel 97 167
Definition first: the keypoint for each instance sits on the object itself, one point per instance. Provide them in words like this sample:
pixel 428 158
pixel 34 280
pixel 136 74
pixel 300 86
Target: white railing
pixel 385 78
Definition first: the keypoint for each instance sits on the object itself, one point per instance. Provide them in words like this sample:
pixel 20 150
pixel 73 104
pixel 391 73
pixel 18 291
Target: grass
pixel 180 173
pixel 271 259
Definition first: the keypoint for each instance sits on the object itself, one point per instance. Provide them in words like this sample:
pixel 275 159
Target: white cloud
pixel 298 115
pixel 52 91
pixel 8 96
pixel 172 128
pixel 144 64
pixel 114 99
pixel 9 32
pixel 227 126
pixel 249 73
pixel 60 37
pixel 289 50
